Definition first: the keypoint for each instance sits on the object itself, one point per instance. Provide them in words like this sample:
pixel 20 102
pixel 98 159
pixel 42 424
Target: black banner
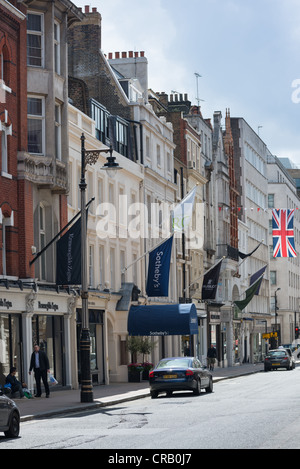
pixel 210 282
pixel 68 256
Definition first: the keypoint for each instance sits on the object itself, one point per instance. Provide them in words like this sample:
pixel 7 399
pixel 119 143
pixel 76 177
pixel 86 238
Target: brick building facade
pixel 15 195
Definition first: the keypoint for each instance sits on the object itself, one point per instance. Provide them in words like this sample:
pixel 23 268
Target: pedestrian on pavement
pixel 211 357
pixel 16 386
pixel 39 363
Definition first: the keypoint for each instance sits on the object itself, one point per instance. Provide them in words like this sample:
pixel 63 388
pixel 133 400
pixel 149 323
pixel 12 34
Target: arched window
pixel 5 65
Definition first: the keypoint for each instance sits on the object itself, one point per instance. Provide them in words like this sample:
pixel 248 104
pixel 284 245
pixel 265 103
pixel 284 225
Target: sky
pixel 246 51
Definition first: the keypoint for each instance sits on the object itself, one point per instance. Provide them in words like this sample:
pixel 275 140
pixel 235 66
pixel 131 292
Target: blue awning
pixel 160 320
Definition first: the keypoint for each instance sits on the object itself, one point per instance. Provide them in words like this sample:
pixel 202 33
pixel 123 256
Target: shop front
pixel 214 336
pixel 96 328
pixel 10 344
pixel 27 318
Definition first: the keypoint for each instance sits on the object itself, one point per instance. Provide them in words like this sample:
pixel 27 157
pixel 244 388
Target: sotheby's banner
pixel 159 269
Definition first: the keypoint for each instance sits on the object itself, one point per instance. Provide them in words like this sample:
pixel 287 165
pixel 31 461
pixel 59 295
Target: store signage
pixel 215 317
pixel 269 335
pixel 48 306
pixel 4 303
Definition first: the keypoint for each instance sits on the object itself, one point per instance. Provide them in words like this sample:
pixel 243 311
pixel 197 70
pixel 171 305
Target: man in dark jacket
pixel 11 379
pixel 211 357
pixel 39 363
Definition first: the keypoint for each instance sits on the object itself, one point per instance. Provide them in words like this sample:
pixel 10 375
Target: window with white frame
pixel 100 116
pixel 90 190
pixel 101 266
pixel 91 265
pixel 112 268
pixel 35 124
pixel 6 222
pixel 57 131
pixel 43 240
pixel 35 39
pixel 122 265
pixel 70 176
pixel 121 138
pixel 57 47
pixel 273 277
pixel 5 131
pixel 158 158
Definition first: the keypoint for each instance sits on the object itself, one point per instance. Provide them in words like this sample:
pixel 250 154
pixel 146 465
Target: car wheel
pixel 266 369
pixel 154 394
pixel 210 386
pixel 14 427
pixel 169 393
pixel 197 391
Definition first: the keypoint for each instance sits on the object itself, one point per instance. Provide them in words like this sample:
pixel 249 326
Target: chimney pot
pixel 130 53
pixel 86 9
pixel 124 55
pixel 94 10
pixel 110 56
pixel 142 53
pixel 136 54
pixel 117 55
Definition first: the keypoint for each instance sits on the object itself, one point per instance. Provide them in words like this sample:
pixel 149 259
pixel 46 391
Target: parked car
pixel 9 417
pixel 290 352
pixel 278 358
pixel 179 374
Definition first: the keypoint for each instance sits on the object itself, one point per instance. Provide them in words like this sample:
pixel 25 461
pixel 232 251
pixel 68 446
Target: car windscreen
pixel 174 363
pixel 277 354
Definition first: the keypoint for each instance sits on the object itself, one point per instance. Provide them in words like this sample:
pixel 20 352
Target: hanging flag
pixel 68 256
pixel 182 214
pixel 210 282
pixel 283 233
pixel 255 276
pixel 243 256
pixel 159 269
pixel 250 292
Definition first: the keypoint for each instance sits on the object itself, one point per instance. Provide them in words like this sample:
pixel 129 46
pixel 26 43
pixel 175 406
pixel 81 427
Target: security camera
pixel 33 250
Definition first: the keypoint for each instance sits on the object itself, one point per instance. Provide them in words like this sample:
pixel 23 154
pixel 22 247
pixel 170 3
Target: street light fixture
pixel 88 157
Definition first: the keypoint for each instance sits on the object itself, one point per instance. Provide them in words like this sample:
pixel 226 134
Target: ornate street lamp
pixel 88 157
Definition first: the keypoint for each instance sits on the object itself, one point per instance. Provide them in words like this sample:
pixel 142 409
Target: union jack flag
pixel 283 233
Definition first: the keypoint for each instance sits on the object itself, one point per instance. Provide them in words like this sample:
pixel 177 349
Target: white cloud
pixel 247 52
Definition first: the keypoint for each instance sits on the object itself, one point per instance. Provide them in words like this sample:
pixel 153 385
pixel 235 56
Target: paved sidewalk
pixel 66 401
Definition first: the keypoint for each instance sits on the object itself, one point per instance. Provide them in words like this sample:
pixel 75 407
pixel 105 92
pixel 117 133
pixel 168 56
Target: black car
pixel 9 417
pixel 278 358
pixel 179 374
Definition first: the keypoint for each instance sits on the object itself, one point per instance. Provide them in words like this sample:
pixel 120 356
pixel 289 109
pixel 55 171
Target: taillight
pixel 151 374
pixel 189 373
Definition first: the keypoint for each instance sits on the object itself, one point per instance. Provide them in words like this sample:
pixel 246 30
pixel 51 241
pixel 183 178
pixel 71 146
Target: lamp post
pixel 88 157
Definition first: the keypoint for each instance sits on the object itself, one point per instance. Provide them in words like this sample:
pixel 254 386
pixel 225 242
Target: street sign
pixel 269 335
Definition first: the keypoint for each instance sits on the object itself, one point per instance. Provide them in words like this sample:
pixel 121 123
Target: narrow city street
pixel 259 411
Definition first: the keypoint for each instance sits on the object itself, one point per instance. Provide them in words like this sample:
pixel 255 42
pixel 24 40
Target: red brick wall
pixel 15 195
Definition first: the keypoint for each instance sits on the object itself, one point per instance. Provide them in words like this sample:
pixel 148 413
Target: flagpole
pixel 61 231
pixel 161 242
pixel 145 253
pixel 249 255
pixel 259 278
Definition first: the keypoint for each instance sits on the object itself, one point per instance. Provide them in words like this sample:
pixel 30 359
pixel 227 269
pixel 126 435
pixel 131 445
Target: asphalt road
pixel 251 412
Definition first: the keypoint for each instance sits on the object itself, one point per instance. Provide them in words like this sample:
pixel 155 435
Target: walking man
pixel 211 357
pixel 39 363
